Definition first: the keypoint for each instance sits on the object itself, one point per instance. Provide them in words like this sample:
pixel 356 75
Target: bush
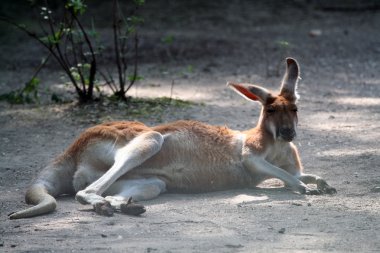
pixel 72 45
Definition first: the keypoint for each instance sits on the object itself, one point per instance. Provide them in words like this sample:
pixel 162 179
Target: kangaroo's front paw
pixel 329 190
pixel 103 208
pixel 313 192
pixel 132 208
pixel 325 188
pixel 307 191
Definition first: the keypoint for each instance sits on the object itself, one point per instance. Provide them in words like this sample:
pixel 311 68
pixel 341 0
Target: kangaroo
pixel 112 163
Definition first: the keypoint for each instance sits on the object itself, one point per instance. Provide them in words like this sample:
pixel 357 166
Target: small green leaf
pixel 283 43
pixel 139 2
pixel 131 29
pixel 168 39
pixel 93 32
pixel 135 78
pixel 31 86
pixel 190 68
pixel 22 26
pixel 52 39
pixel 135 20
pixel 77 5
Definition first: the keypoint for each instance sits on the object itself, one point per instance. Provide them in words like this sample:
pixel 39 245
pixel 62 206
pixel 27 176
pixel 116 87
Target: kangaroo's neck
pixel 259 138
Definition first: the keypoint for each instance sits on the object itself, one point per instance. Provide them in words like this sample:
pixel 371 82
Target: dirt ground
pixel 338 136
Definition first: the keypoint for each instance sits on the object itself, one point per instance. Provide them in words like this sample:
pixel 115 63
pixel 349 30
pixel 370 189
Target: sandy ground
pixel 338 137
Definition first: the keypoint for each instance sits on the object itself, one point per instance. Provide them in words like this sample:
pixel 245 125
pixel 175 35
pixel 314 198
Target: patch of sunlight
pixel 371 81
pixel 243 198
pixel 33 112
pixel 184 91
pixel 348 152
pixel 364 101
pixel 64 223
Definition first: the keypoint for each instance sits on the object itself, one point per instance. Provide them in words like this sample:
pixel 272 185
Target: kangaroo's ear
pixel 290 80
pixel 251 92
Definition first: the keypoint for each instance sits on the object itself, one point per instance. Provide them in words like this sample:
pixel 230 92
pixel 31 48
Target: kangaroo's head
pixel 279 112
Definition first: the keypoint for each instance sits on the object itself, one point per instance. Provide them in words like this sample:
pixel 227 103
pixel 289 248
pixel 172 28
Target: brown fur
pixel 120 131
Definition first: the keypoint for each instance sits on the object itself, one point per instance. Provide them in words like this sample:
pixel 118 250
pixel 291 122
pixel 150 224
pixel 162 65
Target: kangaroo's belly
pixel 188 165
pixel 192 177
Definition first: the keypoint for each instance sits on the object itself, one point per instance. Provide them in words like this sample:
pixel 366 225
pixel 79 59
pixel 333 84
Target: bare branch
pixel 135 62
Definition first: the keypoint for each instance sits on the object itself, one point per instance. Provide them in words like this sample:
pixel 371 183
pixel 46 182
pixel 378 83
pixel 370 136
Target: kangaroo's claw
pixel 325 188
pixel 313 192
pixel 329 190
pixel 104 208
pixel 132 208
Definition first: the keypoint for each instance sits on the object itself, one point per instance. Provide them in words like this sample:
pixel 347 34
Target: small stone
pixel 376 189
pixel 104 235
pixel 281 231
pixel 315 33
pixel 296 204
pixel 308 204
pixel 234 246
pixel 331 117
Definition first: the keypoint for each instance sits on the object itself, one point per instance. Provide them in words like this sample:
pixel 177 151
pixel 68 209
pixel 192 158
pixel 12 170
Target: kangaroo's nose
pixel 288 134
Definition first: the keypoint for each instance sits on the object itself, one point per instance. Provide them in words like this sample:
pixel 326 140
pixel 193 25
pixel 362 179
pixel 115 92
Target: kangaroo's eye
pixel 271 110
pixel 294 110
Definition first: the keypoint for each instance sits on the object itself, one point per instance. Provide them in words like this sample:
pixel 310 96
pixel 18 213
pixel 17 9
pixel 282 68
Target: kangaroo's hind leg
pixel 126 158
pixel 120 194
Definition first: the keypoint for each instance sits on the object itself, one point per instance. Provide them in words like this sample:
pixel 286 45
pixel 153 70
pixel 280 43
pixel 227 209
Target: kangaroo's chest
pixel 279 154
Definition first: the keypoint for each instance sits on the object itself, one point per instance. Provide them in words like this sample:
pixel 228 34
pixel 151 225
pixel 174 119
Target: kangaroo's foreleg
pixel 128 157
pixel 262 166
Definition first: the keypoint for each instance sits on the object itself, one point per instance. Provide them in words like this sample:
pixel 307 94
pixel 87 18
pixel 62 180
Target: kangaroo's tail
pixel 38 196
pixel 54 180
